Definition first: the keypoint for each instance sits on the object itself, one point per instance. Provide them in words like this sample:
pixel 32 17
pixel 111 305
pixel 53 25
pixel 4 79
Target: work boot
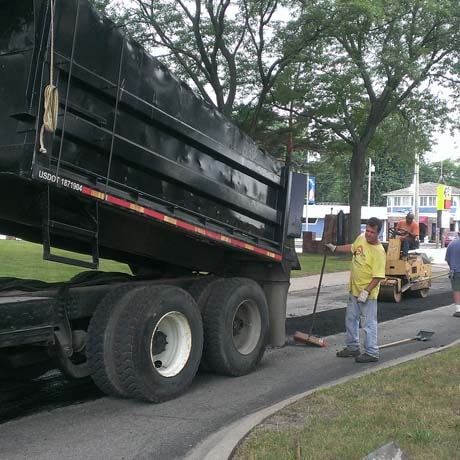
pixel 457 314
pixel 348 353
pixel 365 358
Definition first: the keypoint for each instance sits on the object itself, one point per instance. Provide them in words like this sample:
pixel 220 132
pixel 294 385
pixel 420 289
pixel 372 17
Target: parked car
pixel 449 237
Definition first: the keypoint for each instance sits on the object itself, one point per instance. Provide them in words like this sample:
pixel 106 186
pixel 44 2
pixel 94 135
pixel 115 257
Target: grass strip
pixel 416 404
pixel 311 264
pixel 21 259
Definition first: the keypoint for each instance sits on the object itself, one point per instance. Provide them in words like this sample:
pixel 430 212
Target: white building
pixel 400 202
pixel 314 217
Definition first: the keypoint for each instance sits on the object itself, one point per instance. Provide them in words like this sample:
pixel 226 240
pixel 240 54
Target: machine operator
pixel 408 232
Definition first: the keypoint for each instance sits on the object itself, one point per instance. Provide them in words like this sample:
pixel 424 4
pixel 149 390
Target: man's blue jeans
pixel 368 314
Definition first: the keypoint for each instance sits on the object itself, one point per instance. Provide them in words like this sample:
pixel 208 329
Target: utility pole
pixel 371 170
pixel 308 191
pixel 439 212
pixel 308 199
pixel 416 186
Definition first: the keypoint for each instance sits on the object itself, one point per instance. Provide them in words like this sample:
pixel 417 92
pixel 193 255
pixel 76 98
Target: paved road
pixel 334 286
pixel 122 429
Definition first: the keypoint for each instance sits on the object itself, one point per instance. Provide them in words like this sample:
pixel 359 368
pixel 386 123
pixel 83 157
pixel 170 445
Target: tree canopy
pixel 229 50
pixel 445 172
pixel 375 62
pixel 346 79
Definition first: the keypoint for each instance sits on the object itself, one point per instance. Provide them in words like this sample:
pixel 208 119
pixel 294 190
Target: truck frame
pixel 105 153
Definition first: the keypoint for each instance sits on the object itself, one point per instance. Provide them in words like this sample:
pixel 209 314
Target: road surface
pixel 94 427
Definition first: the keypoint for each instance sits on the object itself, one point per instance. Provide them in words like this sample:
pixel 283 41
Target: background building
pixel 314 217
pixel 400 202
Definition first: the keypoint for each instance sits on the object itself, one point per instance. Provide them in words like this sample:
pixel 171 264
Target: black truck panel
pixel 138 169
pixel 137 161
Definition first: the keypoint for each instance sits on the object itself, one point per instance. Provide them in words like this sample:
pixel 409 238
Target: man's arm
pixel 374 283
pixel 401 231
pixel 343 248
pixel 405 232
pixel 414 231
pixel 364 294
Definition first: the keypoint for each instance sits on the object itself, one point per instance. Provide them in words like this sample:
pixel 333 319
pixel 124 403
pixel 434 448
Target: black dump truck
pixel 105 153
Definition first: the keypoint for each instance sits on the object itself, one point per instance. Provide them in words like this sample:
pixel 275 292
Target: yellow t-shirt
pixel 368 262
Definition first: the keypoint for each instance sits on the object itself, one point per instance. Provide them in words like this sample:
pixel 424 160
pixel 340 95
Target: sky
pixel 447 148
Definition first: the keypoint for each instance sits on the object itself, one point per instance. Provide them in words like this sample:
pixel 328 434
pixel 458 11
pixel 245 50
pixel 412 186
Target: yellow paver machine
pixel 411 274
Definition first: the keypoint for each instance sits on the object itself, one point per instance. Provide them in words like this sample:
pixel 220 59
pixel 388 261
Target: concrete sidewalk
pixel 310 282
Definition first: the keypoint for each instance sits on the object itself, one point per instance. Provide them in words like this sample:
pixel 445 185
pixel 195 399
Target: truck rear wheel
pixel 235 320
pixel 200 290
pixel 100 346
pixel 158 343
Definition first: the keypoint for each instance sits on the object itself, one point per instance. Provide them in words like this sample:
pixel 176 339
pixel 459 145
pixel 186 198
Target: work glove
pixel 331 247
pixel 363 295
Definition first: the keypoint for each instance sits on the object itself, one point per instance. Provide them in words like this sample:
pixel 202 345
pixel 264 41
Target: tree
pixel 375 59
pixel 446 172
pixel 393 150
pixel 102 5
pixel 332 80
pixel 228 50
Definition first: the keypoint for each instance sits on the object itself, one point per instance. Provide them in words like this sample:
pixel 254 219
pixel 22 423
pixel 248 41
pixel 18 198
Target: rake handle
pixel 317 293
pixel 398 342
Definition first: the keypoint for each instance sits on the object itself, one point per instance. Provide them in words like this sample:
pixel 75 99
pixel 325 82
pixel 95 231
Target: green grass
pixel 20 259
pixel 311 264
pixel 416 404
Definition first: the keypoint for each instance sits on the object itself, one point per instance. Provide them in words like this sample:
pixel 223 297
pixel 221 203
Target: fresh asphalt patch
pixel 23 398
pixel 331 322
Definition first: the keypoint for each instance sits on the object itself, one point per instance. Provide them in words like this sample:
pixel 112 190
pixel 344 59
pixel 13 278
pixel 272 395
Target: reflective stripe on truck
pixel 179 223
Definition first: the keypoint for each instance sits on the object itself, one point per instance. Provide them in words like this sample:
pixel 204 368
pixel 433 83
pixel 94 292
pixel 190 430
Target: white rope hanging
pixel 51 95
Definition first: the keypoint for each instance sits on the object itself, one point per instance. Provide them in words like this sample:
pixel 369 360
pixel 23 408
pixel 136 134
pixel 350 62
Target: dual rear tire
pixel 235 320
pixel 151 344
pixel 147 342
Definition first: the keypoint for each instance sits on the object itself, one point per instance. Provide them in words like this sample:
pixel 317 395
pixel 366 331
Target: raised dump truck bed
pixel 135 152
pixel 138 169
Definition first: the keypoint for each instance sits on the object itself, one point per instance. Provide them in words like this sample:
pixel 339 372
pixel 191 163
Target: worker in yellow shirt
pixel 367 270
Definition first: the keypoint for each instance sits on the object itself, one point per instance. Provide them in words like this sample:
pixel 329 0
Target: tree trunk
pixel 290 141
pixel 356 194
pixel 256 112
